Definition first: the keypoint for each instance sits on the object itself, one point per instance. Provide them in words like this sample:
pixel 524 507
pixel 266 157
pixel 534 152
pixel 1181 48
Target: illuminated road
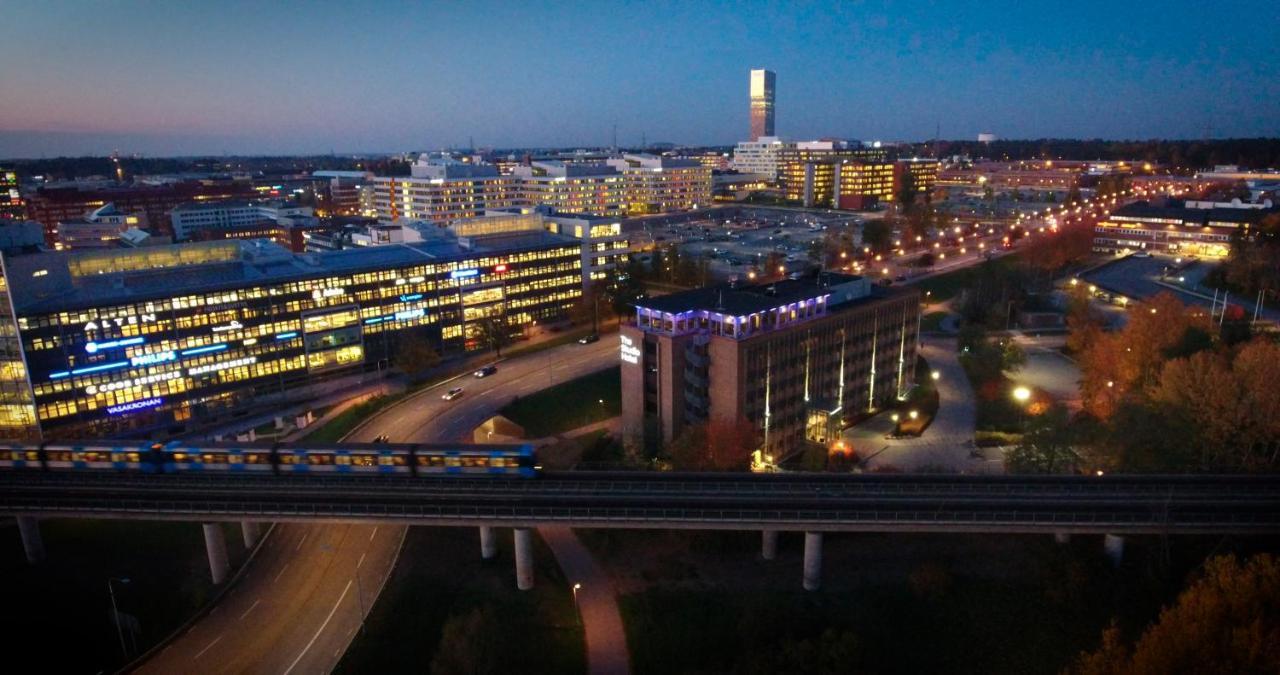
pixel 299 604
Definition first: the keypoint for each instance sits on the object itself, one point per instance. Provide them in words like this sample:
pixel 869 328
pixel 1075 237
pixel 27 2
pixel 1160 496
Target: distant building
pixel 11 206
pixel 762 103
pixel 1183 229
pixel 20 236
pixel 443 190
pixel 102 227
pixel 347 191
pixel 188 220
pixel 987 138
pixel 50 205
pixel 760 156
pixel 807 172
pixel 791 358
pixel 663 184
pixel 596 188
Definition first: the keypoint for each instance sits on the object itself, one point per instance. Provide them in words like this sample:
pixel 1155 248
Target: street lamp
pixel 115 613
pixel 575 601
pixel 1021 394
pixel 935 375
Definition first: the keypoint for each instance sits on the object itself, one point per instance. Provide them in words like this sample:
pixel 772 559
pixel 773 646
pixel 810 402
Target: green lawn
pixel 335 429
pixel 440 575
pixel 946 286
pixel 66 595
pixel 569 405
pixel 932 322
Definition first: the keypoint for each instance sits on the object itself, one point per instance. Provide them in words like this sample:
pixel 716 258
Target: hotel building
pixel 155 339
pixel 791 358
pixel 1193 228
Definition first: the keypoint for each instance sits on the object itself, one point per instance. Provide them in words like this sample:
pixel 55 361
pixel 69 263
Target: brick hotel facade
pixel 791 358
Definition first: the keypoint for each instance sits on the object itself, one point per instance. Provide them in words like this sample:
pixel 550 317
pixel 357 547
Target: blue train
pixel 277 458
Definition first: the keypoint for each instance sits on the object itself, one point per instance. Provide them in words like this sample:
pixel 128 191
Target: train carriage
pixel 19 456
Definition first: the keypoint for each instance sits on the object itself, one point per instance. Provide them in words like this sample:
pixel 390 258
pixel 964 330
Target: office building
pixel 593 188
pixel 20 236
pixel 762 103
pixel 662 184
pixel 790 358
pixel 193 218
pixel 442 190
pixel 807 172
pixel 11 206
pixel 346 194
pixel 1203 229
pixel 156 339
pixel 760 156
pixel 51 205
pixel 103 227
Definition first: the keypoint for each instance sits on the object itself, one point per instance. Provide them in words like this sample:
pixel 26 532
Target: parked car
pixel 452 394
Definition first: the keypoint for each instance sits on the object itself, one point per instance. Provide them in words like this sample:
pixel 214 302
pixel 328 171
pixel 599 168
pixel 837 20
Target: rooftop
pixel 742 300
pixel 50 282
pixel 1192 216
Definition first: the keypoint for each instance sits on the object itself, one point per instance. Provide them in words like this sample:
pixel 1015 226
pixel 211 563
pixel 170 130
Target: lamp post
pixel 1022 394
pixel 576 608
pixel 115 613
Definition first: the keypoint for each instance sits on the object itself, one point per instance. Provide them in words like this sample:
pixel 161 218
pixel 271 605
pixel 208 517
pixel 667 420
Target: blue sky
pixel 204 77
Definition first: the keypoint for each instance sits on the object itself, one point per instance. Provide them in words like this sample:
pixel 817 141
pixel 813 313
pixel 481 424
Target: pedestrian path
pixel 597 604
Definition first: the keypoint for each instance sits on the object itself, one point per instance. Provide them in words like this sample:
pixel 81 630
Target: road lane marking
pixel 320 630
pixel 304 538
pixel 281 572
pixel 375 531
pixel 202 651
pixel 246 612
pixel 361 561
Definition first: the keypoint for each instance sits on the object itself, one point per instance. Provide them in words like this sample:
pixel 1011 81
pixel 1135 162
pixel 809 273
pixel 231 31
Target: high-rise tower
pixel 761 103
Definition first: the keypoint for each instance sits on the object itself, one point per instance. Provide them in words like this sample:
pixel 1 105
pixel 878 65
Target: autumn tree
pixel 1226 622
pixel 713 446
pixel 1047 446
pixel 470 644
pixel 415 355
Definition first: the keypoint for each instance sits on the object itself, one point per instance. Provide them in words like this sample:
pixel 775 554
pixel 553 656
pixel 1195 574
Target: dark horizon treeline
pixel 1251 153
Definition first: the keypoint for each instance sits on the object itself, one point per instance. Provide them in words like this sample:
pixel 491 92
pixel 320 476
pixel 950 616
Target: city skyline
pixel 169 80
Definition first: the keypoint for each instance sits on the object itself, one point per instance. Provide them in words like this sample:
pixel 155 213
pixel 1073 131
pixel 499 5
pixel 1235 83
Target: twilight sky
pixel 174 78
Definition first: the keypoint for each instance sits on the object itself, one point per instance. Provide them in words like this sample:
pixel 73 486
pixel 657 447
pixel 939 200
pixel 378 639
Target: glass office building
pixel 144 339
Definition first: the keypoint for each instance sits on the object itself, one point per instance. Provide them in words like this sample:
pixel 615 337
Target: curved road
pixel 298 606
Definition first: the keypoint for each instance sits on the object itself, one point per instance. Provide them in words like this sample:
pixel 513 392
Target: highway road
pixel 300 602
pixel 425 417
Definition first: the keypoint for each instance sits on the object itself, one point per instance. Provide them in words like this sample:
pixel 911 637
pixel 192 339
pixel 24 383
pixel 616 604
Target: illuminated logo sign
pixel 464 274
pixel 151 359
pixel 630 352
pixel 204 350
pixel 234 325
pixel 134 405
pixel 410 314
pixel 327 293
pixel 500 268
pixel 93 347
pixel 411 297
pixel 120 322
pixel 215 367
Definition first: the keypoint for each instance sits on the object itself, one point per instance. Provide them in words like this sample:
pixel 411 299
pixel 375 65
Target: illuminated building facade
pixel 1179 230
pixel 11 207
pixel 760 156
pixel 191 219
pixel 662 184
pixel 762 103
pixel 597 189
pixel 49 206
pixel 807 173
pixel 791 358
pixel 102 227
pixel 157 338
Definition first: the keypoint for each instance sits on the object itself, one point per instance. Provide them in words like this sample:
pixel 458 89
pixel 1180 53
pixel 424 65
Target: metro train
pixel 274 458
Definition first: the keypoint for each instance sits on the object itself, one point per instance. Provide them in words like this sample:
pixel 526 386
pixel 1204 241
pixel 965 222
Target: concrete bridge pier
pixel 812 561
pixel 252 532
pixel 524 558
pixel 488 543
pixel 1062 537
pixel 769 544
pixel 32 543
pixel 215 543
pixel 1113 545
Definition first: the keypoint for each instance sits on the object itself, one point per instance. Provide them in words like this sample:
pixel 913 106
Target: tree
pixel 713 446
pixel 493 333
pixel 772 266
pixel 1225 622
pixel 877 234
pixel 470 644
pixel 415 355
pixel 832 653
pixel 1046 447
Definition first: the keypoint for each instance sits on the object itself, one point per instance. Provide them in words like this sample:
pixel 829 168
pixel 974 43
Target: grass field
pixel 569 405
pixel 65 597
pixel 440 575
pixel 932 321
pixel 946 286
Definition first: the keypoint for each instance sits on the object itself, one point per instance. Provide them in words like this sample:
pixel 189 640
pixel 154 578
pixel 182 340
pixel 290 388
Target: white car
pixel 452 394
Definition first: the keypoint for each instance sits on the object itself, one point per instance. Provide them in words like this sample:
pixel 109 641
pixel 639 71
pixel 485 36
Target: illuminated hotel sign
pixel 464 274
pixel 152 359
pixel 134 405
pixel 630 352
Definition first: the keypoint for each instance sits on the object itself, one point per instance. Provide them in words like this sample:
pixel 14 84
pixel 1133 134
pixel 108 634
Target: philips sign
pixel 152 359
